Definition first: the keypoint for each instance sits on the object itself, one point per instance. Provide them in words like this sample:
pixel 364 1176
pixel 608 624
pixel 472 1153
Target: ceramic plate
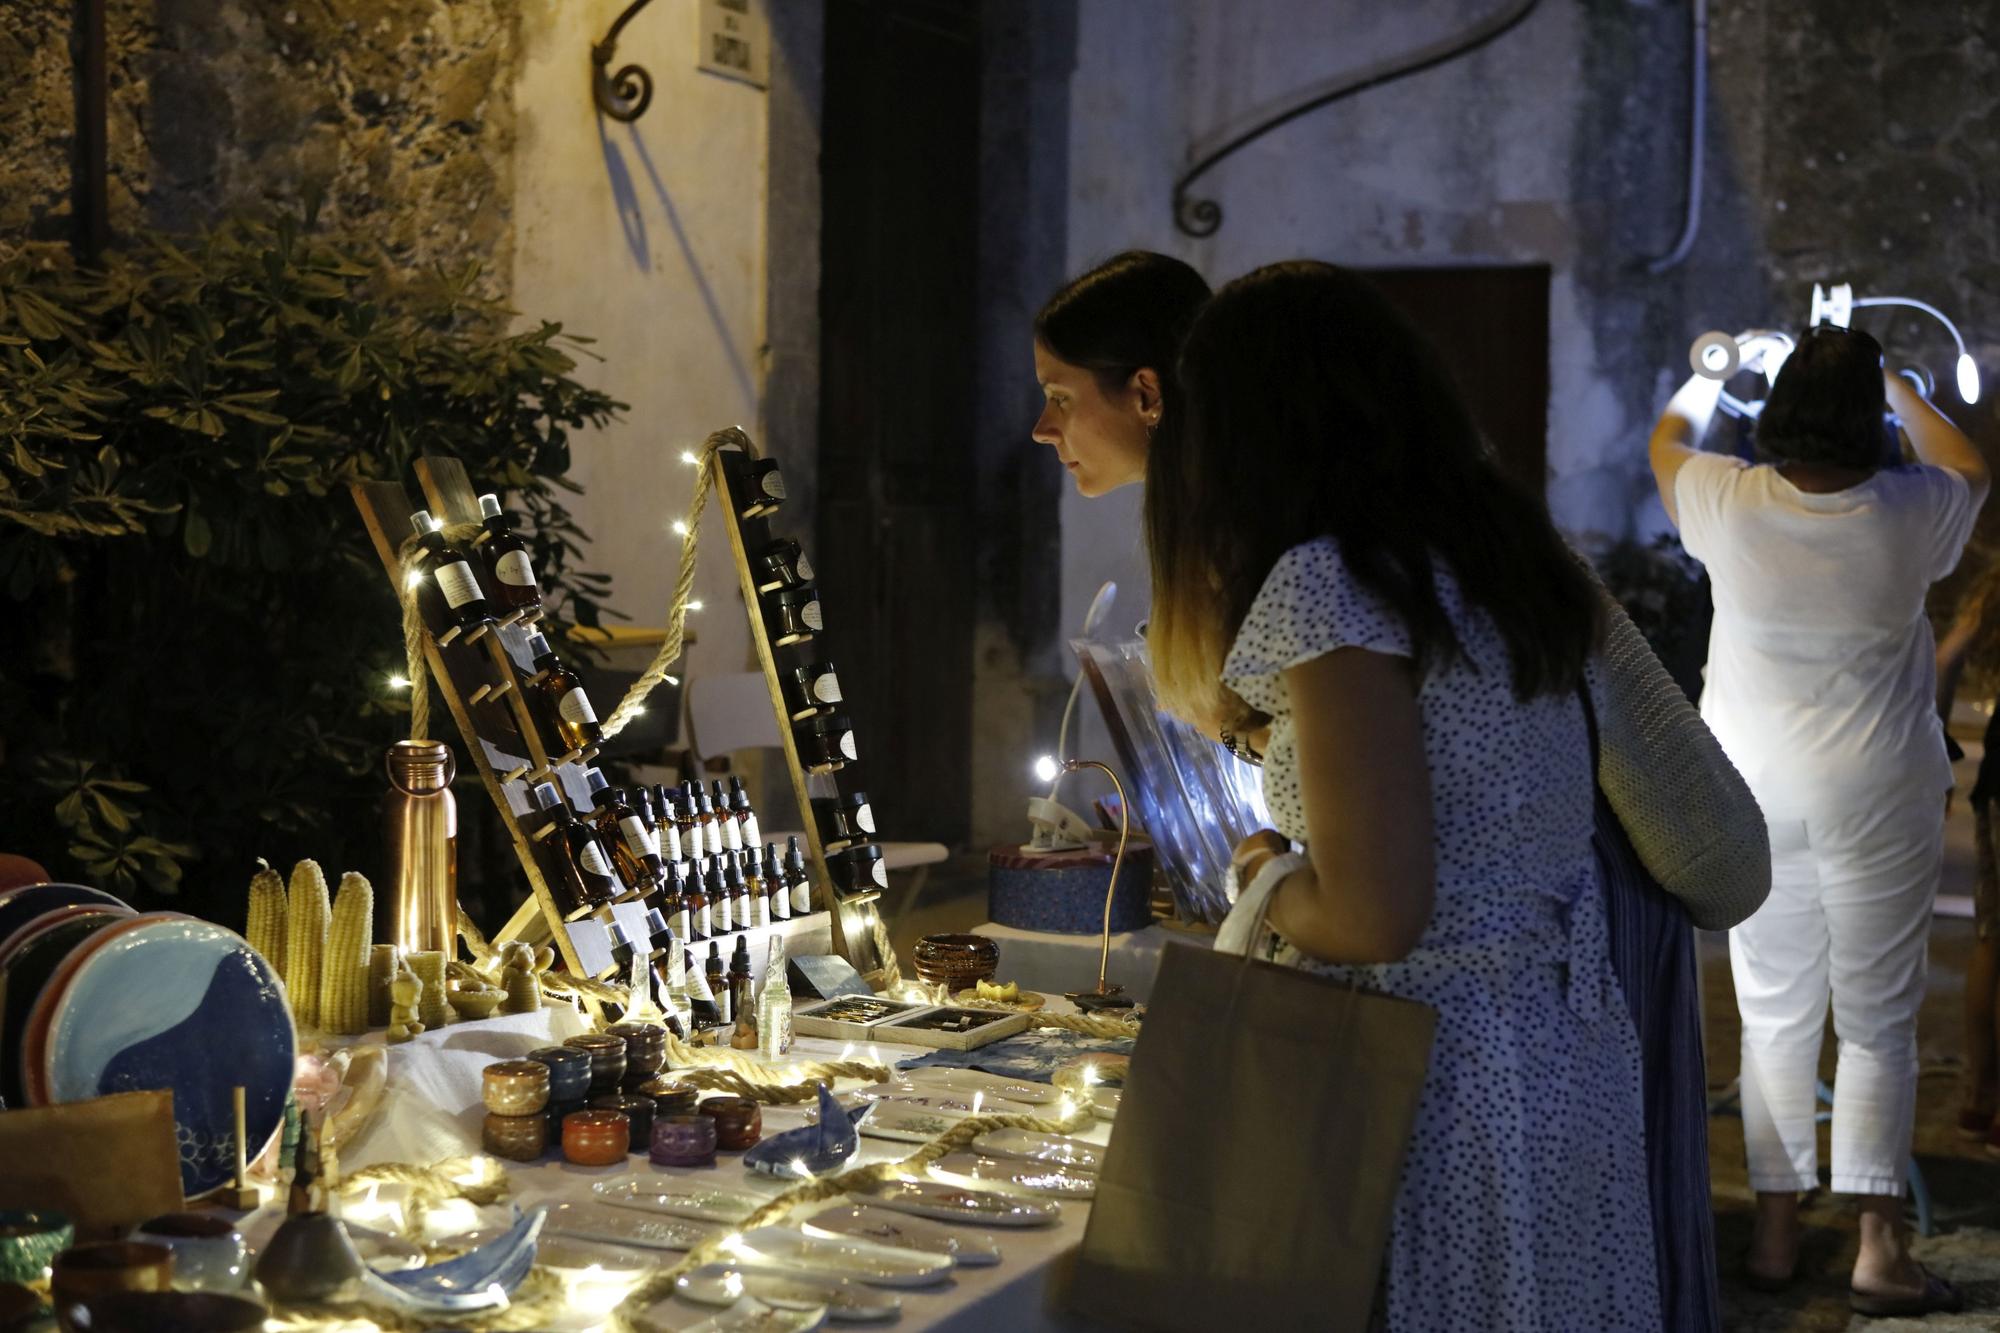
pixel 845 1302
pixel 28 961
pixel 18 906
pixel 575 1256
pixel 884 1226
pixel 392 1254
pixel 746 1316
pixel 966 1082
pixel 675 1196
pixel 877 1265
pixel 902 1123
pixel 1034 1177
pixel 1048 1149
pixel 938 1099
pixel 34 1041
pixel 624 1226
pixel 955 1203
pixel 1104 1102
pixel 171 1002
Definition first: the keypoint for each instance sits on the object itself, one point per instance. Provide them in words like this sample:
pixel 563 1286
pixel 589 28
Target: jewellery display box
pixel 872 1018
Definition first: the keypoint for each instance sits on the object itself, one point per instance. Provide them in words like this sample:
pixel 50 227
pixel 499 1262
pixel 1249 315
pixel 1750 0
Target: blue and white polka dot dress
pixel 1523 1202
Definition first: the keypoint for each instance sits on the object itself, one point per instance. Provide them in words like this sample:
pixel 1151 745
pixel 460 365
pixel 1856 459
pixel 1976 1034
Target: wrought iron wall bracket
pixel 1203 217
pixel 625 94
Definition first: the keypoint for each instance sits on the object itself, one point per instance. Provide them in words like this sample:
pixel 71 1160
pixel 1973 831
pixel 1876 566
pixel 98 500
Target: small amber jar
pixel 739 1122
pixel 518 1138
pixel 670 1095
pixel 645 1048
pixel 596 1138
pixel 638 1113
pixel 515 1087
pixel 607 1060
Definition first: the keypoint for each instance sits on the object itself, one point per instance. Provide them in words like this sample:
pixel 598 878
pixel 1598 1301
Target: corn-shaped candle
pixel 266 927
pixel 305 941
pixel 343 984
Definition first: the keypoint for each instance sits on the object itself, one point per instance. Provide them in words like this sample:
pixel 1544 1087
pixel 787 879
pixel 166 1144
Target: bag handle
pixel 1351 996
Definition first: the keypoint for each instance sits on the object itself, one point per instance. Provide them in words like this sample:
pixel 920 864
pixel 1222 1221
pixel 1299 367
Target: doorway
pixel 898 346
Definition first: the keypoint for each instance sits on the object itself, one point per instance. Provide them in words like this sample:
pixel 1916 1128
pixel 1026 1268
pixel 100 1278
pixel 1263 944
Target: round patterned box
pixel 607 1060
pixel 638 1113
pixel 739 1122
pixel 670 1095
pixel 1063 892
pixel 645 1047
pixel 569 1071
pixel 515 1087
pixel 518 1138
pixel 683 1140
pixel 596 1138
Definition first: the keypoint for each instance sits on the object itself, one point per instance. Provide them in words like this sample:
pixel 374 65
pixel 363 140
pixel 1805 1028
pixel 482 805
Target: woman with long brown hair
pixel 1337 559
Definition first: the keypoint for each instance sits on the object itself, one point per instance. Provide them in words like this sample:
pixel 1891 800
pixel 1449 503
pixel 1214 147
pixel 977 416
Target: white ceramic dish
pixel 1048 1149
pixel 885 1226
pixel 844 1302
pixel 943 1099
pixel 1005 1173
pixel 624 1226
pixel 746 1316
pixel 901 1122
pixel 969 1081
pixel 955 1203
pixel 877 1265
pixel 571 1255
pixel 675 1196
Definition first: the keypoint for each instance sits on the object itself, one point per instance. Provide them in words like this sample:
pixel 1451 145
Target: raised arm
pixel 1367 896
pixel 1678 434
pixel 1936 440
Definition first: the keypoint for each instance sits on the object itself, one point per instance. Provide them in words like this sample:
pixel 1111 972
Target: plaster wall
pixel 650 238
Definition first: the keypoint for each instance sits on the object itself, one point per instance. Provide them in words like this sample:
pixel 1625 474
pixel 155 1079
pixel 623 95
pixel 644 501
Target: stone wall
pixel 399 115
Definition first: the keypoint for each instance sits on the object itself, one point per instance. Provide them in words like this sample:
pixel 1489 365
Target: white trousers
pixel 1848 917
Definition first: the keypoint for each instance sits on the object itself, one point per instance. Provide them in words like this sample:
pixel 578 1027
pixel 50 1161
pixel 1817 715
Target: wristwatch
pixel 1240 748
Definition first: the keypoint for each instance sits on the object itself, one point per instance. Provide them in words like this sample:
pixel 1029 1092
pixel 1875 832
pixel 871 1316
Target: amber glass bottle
pixel 450 568
pixel 510 568
pixel 564 708
pixel 588 878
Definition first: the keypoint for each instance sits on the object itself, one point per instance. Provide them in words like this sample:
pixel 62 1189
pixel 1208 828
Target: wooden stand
pixel 856 918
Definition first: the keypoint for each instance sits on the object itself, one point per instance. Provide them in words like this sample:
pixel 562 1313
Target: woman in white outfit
pixel 1820 686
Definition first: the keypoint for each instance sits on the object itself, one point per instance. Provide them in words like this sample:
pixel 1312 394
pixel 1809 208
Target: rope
pixel 670 651
pixel 1088 1024
pixel 660 1285
pixel 539 1302
pixel 434 1185
pixel 410 557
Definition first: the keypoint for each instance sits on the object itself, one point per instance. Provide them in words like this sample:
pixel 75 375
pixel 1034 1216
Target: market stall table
pixel 1013 1294
pixel 1052 963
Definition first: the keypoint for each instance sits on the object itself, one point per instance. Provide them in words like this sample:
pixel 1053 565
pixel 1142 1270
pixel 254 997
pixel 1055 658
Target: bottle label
pixel 752 835
pixel 826 689
pixel 804 568
pixel 779 905
pixel 772 483
pixel 723 1006
pixel 678 923
pixel 714 838
pixel 732 834
pixel 864 818
pixel 671 836
pixel 575 708
pixel 847 745
pixel 515 569
pixel 637 840
pixel 802 897
pixel 719 913
pixel 810 617
pixel 593 859
pixel 879 872
pixel 698 984
pixel 457 583
pixel 704 921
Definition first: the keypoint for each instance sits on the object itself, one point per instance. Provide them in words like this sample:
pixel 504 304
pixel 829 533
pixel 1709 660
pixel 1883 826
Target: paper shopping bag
pixel 1257 1150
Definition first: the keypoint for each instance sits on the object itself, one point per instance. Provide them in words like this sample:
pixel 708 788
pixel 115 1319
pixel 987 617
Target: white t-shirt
pixel 1822 678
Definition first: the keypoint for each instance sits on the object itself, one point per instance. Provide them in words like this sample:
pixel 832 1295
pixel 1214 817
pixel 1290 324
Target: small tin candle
pixel 763 487
pixel 607 1060
pixel 569 1071
pixel 844 819
pixel 593 1137
pixel 739 1122
pixel 859 869
pixel 638 1112
pixel 515 1087
pixel 683 1140
pixel 782 564
pixel 518 1138
pixel 670 1095
pixel 825 743
pixel 645 1048
pixel 812 688
pixel 796 614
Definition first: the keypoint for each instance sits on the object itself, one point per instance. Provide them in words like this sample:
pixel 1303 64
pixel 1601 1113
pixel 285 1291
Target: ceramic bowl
pixel 638 1113
pixel 683 1140
pixel 670 1095
pixel 607 1060
pixel 569 1071
pixel 471 1002
pixel 515 1087
pixel 86 1271
pixel 518 1138
pixel 645 1047
pixel 29 1241
pixel 209 1254
pixel 596 1137
pixel 168 1312
pixel 739 1122
pixel 957 961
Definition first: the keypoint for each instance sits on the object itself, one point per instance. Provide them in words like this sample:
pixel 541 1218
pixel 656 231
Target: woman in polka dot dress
pixel 1337 559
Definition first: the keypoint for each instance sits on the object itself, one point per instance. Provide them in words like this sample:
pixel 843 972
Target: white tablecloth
pixel 1053 964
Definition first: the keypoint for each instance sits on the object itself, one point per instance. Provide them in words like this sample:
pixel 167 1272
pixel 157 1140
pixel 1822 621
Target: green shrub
pixel 196 637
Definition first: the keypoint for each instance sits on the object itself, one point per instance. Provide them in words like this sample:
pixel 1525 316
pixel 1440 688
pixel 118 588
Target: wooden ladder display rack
pixel 858 935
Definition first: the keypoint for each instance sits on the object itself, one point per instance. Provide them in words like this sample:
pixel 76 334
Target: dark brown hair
pixel 1827 403
pixel 1315 409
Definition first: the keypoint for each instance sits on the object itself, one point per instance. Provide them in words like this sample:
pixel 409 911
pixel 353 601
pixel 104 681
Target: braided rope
pixel 538 1303
pixel 1089 1025
pixel 660 1284
pixel 434 1185
pixel 781 1094
pixel 409 558
pixel 670 650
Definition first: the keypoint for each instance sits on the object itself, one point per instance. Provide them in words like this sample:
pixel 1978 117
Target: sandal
pixel 1938 1295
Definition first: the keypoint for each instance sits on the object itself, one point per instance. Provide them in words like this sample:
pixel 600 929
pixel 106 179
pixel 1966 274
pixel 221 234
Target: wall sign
pixel 735 41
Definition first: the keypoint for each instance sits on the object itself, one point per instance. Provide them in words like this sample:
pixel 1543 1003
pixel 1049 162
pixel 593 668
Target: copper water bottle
pixel 420 830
